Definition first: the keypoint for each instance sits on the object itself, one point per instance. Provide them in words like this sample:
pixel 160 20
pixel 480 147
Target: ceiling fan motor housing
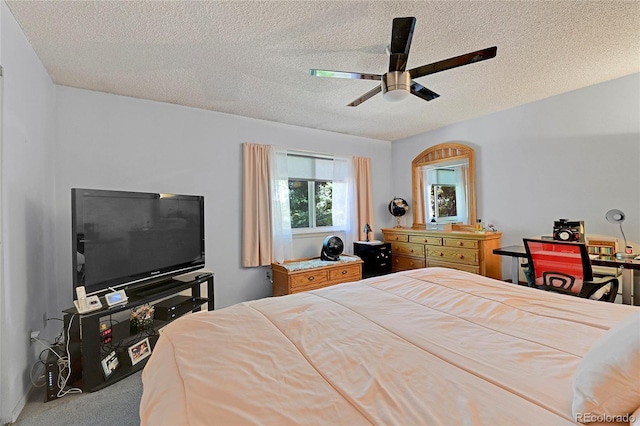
pixel 396 85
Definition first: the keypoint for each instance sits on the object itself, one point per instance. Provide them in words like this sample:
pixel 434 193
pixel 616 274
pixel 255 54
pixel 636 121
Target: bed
pixel 427 346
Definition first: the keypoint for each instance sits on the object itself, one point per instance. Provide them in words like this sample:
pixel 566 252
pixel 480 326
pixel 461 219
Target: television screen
pixel 132 238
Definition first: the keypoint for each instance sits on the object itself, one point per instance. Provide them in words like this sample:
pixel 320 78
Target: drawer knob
pixel 460 243
pixel 441 254
pixel 462 256
pixel 344 272
pixel 311 278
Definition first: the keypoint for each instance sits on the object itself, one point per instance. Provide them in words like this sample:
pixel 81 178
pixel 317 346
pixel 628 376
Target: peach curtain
pixel 256 214
pixel 364 194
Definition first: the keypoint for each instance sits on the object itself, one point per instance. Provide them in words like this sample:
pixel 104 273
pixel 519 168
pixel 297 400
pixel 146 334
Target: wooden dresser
pixel 294 276
pixel 464 250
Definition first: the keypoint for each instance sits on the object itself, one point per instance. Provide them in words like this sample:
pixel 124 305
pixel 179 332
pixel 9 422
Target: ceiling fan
pixel 398 83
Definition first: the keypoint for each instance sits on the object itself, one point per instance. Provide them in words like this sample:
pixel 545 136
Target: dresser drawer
pixel 458 266
pixel 307 279
pixel 402 263
pixel 345 274
pixel 433 241
pixel 389 238
pixel 311 286
pixel 452 242
pixel 459 249
pixel 469 257
pixel 407 249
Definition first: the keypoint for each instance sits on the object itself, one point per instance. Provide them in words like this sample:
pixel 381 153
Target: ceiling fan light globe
pixel 396 86
pixel 396 95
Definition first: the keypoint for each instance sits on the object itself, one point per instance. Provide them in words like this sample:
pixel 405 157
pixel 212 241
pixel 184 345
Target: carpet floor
pixel 117 404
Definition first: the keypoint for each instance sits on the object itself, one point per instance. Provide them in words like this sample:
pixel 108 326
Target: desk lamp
pixel 616 216
pixel 366 230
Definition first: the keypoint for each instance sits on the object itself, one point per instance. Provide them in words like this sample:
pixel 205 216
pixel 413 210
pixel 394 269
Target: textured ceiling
pixel 253 58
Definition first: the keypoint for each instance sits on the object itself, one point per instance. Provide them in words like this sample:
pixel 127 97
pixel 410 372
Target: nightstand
pixel 376 257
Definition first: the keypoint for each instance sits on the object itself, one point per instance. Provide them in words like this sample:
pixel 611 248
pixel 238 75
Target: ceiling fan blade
pixel 401 35
pixel 345 74
pixel 458 61
pixel 422 92
pixel 366 96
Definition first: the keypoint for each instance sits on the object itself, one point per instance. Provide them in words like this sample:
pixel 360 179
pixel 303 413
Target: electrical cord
pixel 34 382
pixel 65 364
pixel 49 348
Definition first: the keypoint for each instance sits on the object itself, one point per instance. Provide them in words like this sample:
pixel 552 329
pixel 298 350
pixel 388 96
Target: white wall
pixel 115 142
pixel 574 156
pixel 30 288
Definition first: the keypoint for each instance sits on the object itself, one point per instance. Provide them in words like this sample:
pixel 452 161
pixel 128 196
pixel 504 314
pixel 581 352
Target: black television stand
pixel 95 335
pixel 152 290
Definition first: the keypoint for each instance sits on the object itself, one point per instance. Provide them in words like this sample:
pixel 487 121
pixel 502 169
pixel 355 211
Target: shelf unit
pixel 89 344
pixel 601 247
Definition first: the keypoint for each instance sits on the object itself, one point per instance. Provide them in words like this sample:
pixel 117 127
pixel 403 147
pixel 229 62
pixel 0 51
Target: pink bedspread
pixel 428 346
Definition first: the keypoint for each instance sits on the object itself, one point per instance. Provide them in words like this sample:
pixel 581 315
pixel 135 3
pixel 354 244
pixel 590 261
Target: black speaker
pixel 566 230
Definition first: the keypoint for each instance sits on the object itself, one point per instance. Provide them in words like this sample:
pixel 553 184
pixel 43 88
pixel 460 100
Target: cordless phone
pixel 82 298
pixel 86 304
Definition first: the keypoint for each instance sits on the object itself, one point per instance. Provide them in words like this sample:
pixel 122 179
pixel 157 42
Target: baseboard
pixel 15 413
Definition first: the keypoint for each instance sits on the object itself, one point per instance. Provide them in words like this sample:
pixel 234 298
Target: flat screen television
pixel 134 239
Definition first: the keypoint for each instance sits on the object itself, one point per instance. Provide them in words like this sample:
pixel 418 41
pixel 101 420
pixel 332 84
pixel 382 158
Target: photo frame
pixel 139 351
pixel 109 364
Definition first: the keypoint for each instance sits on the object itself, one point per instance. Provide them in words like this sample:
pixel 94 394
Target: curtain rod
pixel 313 154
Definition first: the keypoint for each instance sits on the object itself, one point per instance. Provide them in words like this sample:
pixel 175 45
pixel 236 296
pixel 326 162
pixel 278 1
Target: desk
pixel 628 266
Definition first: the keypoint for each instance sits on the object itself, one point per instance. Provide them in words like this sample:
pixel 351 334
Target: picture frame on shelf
pixel 109 364
pixel 139 351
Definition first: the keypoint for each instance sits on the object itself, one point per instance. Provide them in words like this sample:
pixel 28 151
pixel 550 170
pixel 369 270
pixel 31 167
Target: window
pixel 311 191
pixel 310 215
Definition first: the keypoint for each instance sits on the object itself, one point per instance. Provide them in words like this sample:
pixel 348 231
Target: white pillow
pixel 607 381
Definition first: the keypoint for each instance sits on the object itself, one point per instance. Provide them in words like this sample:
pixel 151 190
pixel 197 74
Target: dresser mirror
pixel 443 179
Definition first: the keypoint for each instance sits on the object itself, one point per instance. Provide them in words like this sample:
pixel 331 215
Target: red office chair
pixel 565 267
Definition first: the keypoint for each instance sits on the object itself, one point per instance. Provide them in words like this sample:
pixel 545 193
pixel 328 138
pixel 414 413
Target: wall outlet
pixel 33 336
pixel 268 274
